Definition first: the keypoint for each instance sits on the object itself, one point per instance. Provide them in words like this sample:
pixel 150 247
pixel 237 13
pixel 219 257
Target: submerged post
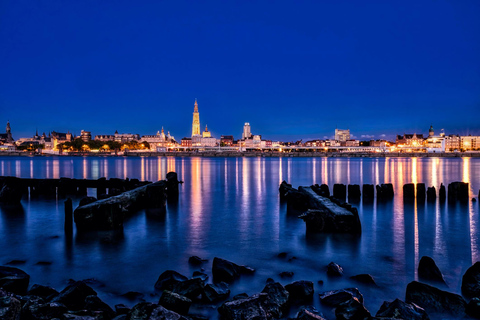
pixel 68 216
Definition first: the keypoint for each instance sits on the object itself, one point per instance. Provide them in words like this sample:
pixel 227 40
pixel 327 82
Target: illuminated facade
pixel 342 135
pixel 196 121
pixel 159 140
pixel 7 137
pixel 246 131
pixel 206 133
pixel 411 140
pixel 470 143
pixel 452 143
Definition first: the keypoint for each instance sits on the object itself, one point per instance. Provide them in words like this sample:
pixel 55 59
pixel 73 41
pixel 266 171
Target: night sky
pixel 293 69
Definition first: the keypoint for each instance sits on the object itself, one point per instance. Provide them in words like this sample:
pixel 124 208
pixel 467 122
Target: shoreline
pixel 227 154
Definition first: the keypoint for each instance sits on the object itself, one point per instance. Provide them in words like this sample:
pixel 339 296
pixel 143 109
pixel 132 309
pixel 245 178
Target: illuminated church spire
pixel 196 121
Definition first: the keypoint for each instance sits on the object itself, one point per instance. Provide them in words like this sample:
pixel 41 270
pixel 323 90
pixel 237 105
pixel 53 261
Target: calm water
pixel 230 208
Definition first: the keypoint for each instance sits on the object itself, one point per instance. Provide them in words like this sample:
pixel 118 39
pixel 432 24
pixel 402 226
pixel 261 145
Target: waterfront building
pixel 159 140
pixel 452 143
pixel 37 140
pixel 410 140
pixel 85 135
pixel 206 133
pixel 59 137
pixel 246 131
pixel 196 120
pixel 7 136
pixel 186 142
pixel 226 141
pixel 434 143
pixel 208 142
pixel 342 135
pixel 470 143
pixel 378 143
pixel 352 143
pixel 126 137
pixel 315 143
pixel 105 137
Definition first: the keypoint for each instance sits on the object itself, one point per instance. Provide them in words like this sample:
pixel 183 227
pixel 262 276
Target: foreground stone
pixel 458 191
pixel 11 190
pixel 402 310
pixel 10 307
pixel 215 292
pixel 150 311
pixel 175 302
pixel 428 271
pixel 254 307
pixel 336 297
pixel 14 280
pixel 227 271
pixel 309 313
pixel 352 309
pixel 300 290
pixel 277 300
pixel 434 300
pixel 364 278
pixel 473 308
pixel 74 295
pixel 334 270
pixel 471 281
pixel 168 280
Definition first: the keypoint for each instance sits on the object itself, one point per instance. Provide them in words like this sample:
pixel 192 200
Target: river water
pixel 230 208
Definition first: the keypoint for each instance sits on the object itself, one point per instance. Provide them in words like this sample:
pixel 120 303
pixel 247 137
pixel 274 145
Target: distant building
pixel 342 135
pixel 186 142
pixel 378 143
pixel 246 131
pixel 226 141
pixel 411 140
pixel 352 143
pixel 196 120
pixel 435 143
pixel 469 143
pixel 7 136
pixel 206 133
pixel 119 137
pixel 85 135
pixel 105 137
pixel 315 143
pixel 159 140
pixel 59 137
pixel 452 143
pixel 208 142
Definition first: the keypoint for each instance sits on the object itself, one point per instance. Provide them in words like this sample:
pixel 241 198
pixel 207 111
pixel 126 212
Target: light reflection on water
pixel 229 207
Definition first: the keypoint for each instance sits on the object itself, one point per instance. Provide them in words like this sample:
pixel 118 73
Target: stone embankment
pixel 178 293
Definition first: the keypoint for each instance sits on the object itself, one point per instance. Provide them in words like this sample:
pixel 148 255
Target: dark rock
pixel 175 302
pixel 11 191
pixel 240 296
pixel 283 189
pixel 442 194
pixel 364 278
pixel 226 271
pixel 421 191
pixel 141 311
pixel 270 280
pixel 286 274
pixel 352 309
pixel 354 192
pixel 10 307
pixel 402 310
pixel 435 300
pixel 474 200
pixel 253 307
pixel 428 271
pixel 309 313
pixel 320 282
pixel 368 191
pixel 168 279
pixel 331 221
pixel 133 295
pixel 74 295
pixel 200 275
pixel 196 261
pixel 409 191
pixel 42 291
pixel 277 300
pixel 94 303
pixel 297 202
pixel 120 317
pixel 334 270
pixel 16 262
pixel 335 297
pixel 14 280
pixel 471 281
pixel 340 191
pixel 215 292
pixel 473 308
pixel 36 308
pixel 43 263
pixel 121 309
pixel 458 191
pixel 300 290
pixel 86 200
pixel 160 313
pixel 431 194
pixel 190 288
pixel 282 255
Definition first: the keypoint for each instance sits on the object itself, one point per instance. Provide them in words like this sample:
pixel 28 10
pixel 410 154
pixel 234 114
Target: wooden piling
pixel 68 216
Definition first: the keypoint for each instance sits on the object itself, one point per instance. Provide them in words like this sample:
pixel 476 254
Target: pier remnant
pixel 368 192
pixel 354 192
pixel 409 191
pixel 442 193
pixel 421 191
pixel 11 190
pixel 172 185
pixel 68 216
pixel 458 191
pixel 340 191
pixel 385 191
pixel 431 194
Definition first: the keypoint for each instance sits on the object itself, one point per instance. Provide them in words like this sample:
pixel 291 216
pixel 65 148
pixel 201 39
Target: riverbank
pixel 231 154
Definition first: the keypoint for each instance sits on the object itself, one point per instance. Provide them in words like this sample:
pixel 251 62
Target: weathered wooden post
pixel 431 194
pixel 442 194
pixel 421 192
pixel 68 216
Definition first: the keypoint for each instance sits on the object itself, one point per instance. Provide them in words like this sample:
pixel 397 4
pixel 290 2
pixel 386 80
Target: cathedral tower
pixel 196 121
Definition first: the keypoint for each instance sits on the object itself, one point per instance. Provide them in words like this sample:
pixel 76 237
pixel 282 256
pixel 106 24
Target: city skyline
pixel 292 72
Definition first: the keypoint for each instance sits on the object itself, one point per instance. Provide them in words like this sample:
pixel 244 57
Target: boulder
pixel 141 311
pixel 121 309
pixel 334 270
pixel 340 191
pixel 277 300
pixel 253 307
pixel 10 307
pixel 321 190
pixel 442 193
pixel 428 271
pixel 95 304
pixel 309 313
pixel 200 275
pixel 240 296
pixel 364 278
pixel 402 310
pixel 409 191
pixel 190 288
pixel 473 308
pixel 14 280
pixel 352 309
pixel 86 200
pixel 434 300
pixel 175 302
pixel 168 279
pixel 335 297
pixel 160 313
pixel 36 308
pixel 368 191
pixel 286 274
pixel 133 295
pixel 431 194
pixel 458 191
pixel 226 271
pixel 354 192
pixel 283 189
pixel 471 281
pixel 300 290
pixel 215 292
pixel 74 295
pixel 44 292
pixel 196 261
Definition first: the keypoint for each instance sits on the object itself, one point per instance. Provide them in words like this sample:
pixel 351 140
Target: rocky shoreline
pixel 423 300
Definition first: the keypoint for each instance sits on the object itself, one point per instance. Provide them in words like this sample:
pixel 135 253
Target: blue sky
pixel 293 69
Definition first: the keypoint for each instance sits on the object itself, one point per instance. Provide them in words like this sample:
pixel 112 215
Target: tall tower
pixel 246 131
pixel 9 133
pixel 196 121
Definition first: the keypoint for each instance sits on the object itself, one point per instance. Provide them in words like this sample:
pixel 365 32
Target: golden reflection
pixel 85 167
pixel 259 177
pixel 159 168
pixel 142 169
pixel 361 173
pixel 125 168
pixel 3 168
pixel 245 205
pixel 236 175
pixel 434 171
pixel 325 171
pixel 415 204
pixel 280 175
pixel 225 168
pixel 377 172
pixel 171 164
pixel 466 170
pixel 386 171
pixel 348 171
pixel 56 169
pixel 196 207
